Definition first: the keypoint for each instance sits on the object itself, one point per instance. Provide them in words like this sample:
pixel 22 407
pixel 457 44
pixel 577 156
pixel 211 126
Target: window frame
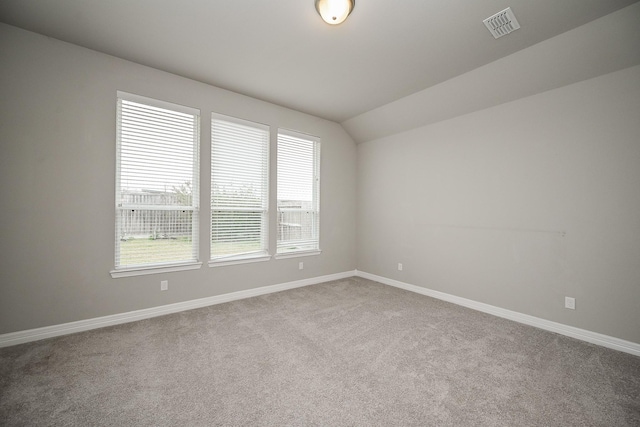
pixel 194 207
pixel 316 141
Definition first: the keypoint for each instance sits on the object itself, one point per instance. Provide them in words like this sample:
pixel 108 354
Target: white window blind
pixel 239 189
pixel 157 187
pixel 298 192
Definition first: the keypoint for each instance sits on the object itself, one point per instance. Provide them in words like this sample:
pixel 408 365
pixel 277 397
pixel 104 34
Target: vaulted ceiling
pixel 282 52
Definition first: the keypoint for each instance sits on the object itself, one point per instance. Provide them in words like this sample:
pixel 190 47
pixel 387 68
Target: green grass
pixel 148 251
pixel 225 248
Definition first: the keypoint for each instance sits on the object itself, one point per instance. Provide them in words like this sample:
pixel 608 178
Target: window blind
pixel 157 187
pixel 298 192
pixel 239 188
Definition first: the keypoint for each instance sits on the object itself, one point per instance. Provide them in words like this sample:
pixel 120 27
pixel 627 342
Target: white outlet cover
pixel 300 265
pixel 399 266
pixel 570 303
pixel 164 285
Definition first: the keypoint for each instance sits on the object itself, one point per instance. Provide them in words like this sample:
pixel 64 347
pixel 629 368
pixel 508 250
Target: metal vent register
pixel 502 23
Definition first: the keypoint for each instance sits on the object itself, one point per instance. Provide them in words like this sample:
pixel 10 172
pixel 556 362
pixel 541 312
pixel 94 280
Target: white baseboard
pixel 29 335
pixel 21 337
pixel 570 331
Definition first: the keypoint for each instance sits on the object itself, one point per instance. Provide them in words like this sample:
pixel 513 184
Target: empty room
pixel 320 212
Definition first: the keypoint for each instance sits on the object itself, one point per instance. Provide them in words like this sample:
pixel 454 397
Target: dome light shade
pixel 334 12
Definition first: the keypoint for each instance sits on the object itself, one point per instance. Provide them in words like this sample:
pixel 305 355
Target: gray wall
pixel 57 129
pixel 516 206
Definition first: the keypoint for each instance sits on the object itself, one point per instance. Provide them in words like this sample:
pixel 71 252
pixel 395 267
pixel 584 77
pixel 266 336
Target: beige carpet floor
pixel 345 353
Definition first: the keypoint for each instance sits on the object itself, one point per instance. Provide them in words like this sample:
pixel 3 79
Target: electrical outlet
pixel 399 266
pixel 164 285
pixel 300 265
pixel 570 303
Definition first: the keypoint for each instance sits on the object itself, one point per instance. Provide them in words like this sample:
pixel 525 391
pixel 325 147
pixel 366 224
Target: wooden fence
pixel 155 215
pixel 139 218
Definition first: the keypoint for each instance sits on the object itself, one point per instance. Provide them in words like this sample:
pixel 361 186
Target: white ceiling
pixel 282 52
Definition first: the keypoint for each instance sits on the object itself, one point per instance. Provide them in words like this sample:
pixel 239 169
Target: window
pixel 298 194
pixel 157 191
pixel 239 191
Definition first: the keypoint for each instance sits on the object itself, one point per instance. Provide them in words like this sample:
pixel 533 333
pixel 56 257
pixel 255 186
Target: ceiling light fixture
pixel 334 12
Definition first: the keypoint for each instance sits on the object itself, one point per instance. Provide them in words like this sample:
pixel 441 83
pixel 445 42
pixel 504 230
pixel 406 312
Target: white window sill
pixel 239 260
pixel 140 271
pixel 298 254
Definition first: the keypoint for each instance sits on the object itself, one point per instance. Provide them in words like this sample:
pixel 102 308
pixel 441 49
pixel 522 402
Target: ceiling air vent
pixel 502 23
